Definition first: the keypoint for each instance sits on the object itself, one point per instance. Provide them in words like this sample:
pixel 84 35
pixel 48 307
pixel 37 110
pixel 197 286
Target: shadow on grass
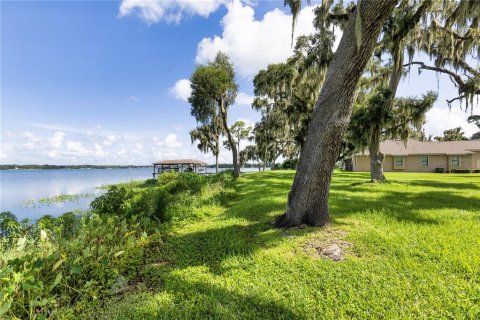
pixel 245 227
pixel 201 300
pixel 404 206
pixel 445 185
pixel 257 199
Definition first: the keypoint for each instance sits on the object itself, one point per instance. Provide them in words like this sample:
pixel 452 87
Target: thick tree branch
pixel 403 32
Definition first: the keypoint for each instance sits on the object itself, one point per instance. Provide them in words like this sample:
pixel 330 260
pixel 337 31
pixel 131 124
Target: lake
pixel 26 193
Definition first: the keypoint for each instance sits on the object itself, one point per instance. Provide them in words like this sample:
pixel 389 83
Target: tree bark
pixel 216 163
pixel 376 159
pixel 233 145
pixel 238 150
pixel 308 199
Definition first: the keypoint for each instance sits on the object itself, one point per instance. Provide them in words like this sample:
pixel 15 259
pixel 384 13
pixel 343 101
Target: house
pixel 423 156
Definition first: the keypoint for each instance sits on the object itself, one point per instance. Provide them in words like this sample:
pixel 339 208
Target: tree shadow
pixel 444 185
pixel 403 206
pixel 201 300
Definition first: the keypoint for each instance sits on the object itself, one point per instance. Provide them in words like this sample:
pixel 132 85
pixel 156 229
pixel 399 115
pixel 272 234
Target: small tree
pixel 208 137
pixel 378 119
pixel 455 134
pixel 240 131
pixel 476 119
pixel 213 91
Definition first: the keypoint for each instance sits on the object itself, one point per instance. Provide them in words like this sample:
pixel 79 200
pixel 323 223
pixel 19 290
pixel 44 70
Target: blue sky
pixel 105 82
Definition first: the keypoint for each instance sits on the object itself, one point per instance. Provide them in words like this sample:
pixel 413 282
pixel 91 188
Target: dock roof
pixel 179 161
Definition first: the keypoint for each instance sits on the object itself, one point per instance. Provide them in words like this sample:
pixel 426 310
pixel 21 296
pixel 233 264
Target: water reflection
pixel 20 186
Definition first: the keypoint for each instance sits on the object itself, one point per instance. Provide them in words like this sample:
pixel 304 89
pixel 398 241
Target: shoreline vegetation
pixel 61 198
pixel 187 246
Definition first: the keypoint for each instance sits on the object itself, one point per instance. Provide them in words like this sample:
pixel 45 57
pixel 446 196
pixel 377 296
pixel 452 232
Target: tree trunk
pixel 308 199
pixel 233 145
pixel 376 159
pixel 216 163
pixel 238 150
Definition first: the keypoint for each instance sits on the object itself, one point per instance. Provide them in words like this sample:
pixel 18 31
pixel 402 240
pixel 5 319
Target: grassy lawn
pixel 411 251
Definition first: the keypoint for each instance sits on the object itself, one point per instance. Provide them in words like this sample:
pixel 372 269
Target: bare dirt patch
pixel 329 245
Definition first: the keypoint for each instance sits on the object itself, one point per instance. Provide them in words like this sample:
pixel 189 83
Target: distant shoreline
pixel 92 166
pixel 52 167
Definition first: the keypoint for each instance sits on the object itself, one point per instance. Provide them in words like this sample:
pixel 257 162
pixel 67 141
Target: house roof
pixel 415 147
pixel 180 161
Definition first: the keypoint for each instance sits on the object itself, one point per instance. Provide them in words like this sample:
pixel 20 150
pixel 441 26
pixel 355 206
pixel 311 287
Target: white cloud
pixel 76 148
pixel 171 141
pixel 134 98
pixel 56 140
pixel 9 134
pixel 253 44
pixel 172 11
pixel 440 119
pixel 244 99
pixel 104 147
pixel 109 140
pixel 181 90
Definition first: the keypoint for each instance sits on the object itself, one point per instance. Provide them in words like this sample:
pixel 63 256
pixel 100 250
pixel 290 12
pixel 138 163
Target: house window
pixel 424 161
pixel 455 161
pixel 398 162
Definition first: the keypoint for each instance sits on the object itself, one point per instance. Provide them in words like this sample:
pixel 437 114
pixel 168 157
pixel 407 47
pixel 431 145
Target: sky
pixel 87 82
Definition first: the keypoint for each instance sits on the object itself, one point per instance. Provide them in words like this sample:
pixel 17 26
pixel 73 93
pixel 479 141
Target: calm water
pixel 21 189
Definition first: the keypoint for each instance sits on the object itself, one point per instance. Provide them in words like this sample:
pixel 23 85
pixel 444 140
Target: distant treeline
pixel 230 165
pixel 50 166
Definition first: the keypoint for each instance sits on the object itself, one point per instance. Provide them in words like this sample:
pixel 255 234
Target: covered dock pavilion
pixel 179 165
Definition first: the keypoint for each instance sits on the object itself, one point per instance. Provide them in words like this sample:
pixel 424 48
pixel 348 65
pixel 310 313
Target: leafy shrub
pixel 55 271
pixel 112 202
pixel 289 164
pixel 9 225
pixel 460 171
pixel 150 203
pixel 176 182
pixel 276 166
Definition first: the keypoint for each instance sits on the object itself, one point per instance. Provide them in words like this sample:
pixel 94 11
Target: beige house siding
pixel 449 155
pixel 361 163
pixel 476 161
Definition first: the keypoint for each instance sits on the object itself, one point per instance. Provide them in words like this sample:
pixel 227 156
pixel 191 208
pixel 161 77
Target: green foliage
pixel 290 164
pixel 61 267
pixel 112 202
pixel 455 134
pixel 379 118
pixel 57 269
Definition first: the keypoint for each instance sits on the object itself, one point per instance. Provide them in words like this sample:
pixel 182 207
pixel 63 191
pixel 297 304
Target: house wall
pixel 412 163
pixel 476 161
pixel 465 163
pixel 361 163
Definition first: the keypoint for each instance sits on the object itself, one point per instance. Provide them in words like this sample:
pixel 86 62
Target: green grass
pixel 412 251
